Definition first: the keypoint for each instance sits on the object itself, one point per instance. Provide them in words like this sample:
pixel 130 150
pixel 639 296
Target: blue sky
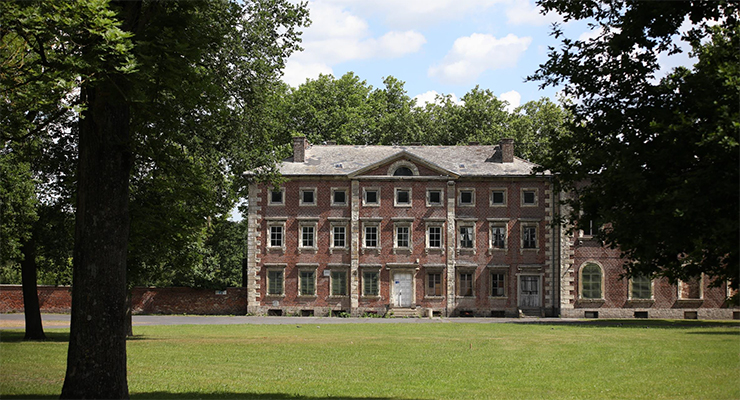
pixel 434 46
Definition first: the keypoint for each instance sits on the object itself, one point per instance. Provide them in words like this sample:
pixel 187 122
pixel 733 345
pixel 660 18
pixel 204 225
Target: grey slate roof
pixel 465 161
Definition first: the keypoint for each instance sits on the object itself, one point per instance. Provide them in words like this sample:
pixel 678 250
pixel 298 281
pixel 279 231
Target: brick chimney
pixel 299 149
pixel 507 150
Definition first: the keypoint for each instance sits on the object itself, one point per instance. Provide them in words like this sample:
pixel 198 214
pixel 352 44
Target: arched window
pixel 591 281
pixel 403 171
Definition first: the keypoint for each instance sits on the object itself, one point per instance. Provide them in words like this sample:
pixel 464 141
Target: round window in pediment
pixel 403 171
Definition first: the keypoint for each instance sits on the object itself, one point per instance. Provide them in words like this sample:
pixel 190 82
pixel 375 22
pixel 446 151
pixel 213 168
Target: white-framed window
pixel 529 235
pixel 307 282
pixel 498 235
pixel 587 229
pixel 402 236
pixel 402 197
pixel 435 236
pixel 307 197
pixel 371 283
pixel 276 234
pixel 691 289
pixel 641 288
pixel 498 284
pixel 529 197
pixel 307 235
pixel 434 286
pixel 371 235
pixel 275 281
pixel 465 283
pixel 466 236
pixel 338 235
pixel 498 197
pixel 371 197
pixel 338 282
pixel 591 281
pixel 339 197
pixel 276 197
pixel 466 197
pixel 435 197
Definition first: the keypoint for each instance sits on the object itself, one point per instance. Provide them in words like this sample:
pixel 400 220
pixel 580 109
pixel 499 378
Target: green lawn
pixel 639 360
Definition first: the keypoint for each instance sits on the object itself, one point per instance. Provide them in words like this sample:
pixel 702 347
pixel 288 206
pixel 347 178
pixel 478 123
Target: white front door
pixel 529 291
pixel 402 289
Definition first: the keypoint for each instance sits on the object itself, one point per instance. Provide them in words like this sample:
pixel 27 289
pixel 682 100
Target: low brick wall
pixel 58 299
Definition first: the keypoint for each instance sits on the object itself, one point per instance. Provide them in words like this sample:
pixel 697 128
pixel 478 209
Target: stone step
pixel 404 313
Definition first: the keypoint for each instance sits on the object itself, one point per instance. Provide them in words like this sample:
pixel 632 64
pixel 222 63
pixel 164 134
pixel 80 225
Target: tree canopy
pixel 654 161
pixel 161 91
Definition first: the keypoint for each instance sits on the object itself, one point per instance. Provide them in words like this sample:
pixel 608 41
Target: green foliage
pixel 435 361
pixel 17 205
pixel 660 157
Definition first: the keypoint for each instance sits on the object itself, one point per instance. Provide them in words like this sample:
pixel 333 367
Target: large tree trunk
pixel 34 327
pixel 96 360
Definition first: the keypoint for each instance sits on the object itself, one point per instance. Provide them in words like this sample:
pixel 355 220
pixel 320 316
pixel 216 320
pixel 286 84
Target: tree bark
pixel 129 316
pixel 96 360
pixel 31 309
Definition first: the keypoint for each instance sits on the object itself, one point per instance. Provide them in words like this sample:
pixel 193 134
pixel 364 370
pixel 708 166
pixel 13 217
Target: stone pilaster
pixel 354 274
pixel 451 244
pixel 254 245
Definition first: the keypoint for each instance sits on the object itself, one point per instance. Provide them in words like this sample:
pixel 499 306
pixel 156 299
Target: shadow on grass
pixel 17 336
pixel 8 336
pixel 210 396
pixel 637 323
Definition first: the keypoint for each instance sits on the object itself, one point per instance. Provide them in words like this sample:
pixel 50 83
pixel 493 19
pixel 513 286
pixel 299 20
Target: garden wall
pixel 178 300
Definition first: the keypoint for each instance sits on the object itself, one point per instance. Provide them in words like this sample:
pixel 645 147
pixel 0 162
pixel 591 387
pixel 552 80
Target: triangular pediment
pixel 418 165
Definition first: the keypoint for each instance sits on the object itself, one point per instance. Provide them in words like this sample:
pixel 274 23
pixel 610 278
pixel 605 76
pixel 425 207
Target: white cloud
pixel 296 73
pixel 337 35
pixel 472 55
pixel 513 98
pixel 430 97
pixel 520 12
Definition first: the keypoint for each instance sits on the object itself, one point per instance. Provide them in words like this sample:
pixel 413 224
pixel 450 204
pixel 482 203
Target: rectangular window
pixel 370 284
pixel 402 236
pixel 275 282
pixel 308 197
pixel 371 197
pixel 434 197
pixel 690 289
pixel 498 197
pixel 307 283
pixel 340 236
pixel 642 288
pixel 467 197
pixel 339 197
pixel 338 283
pixel 529 197
pixel 588 228
pixel 276 197
pixel 498 285
pixel 434 284
pixel 435 236
pixel 371 236
pixel 465 284
pixel 529 237
pixel 498 236
pixel 307 236
pixel 466 237
pixel 403 197
pixel 276 236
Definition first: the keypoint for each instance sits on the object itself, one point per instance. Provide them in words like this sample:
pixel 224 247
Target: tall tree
pixel 159 82
pixel 660 157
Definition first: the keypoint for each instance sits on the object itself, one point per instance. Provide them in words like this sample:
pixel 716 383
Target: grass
pixel 637 360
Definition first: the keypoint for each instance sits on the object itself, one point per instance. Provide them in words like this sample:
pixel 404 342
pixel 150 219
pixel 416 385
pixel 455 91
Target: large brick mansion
pixel 437 230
